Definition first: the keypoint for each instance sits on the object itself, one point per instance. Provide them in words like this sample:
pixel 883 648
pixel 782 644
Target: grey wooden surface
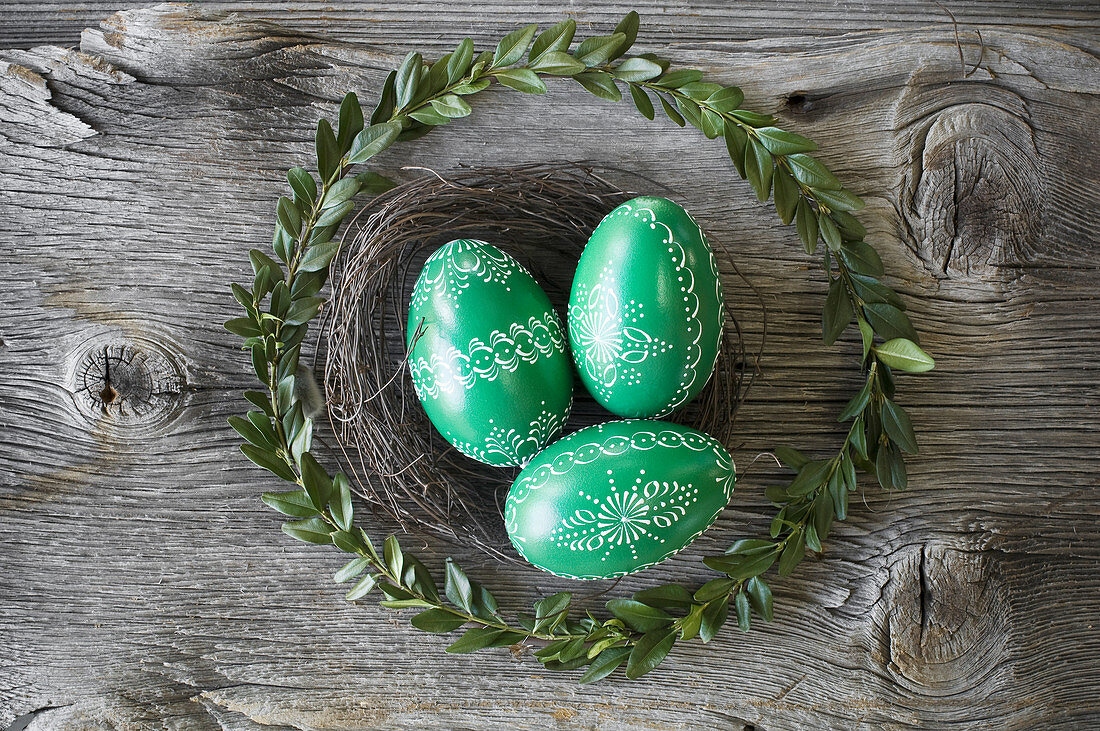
pixel 144 585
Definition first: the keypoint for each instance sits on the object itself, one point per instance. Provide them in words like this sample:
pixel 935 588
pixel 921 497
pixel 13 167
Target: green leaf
pixel 259 399
pixel 524 80
pixel 839 494
pixel 750 546
pixel 556 38
pixel 839 200
pixel 558 63
pixel 665 596
pixel 351 121
pixel 736 141
pixel 792 554
pixel 472 87
pixel 362 588
pixel 806 222
pixel 743 609
pixel 386 100
pixel 852 229
pixel 812 173
pixel 782 142
pixel 600 84
pixel 328 154
pixel 318 256
pixel 351 569
pixel 752 118
pixel 897 425
pixel 861 257
pixel 742 566
pixel 295 503
pixel 303 310
pixel 812 541
pixel 394 558
pixel 438 621
pixel 340 191
pixel 650 651
pixel 372 183
pixel 373 140
pixel 303 185
pixel 823 510
pixel 475 638
pixel 890 468
pixel 725 99
pixel 460 61
pixel 904 355
pixel 690 111
pixel 791 457
pixel 870 289
pixel 867 335
pixel 679 77
pixel 858 402
pixel 429 116
pixel 759 167
pixel 407 80
pixel 598 50
pixel 243 326
pixel 714 616
pixel 636 69
pixel 605 664
pixel 760 595
pixel 890 322
pixel 786 195
pixel 628 29
pixel 642 101
pixel 248 430
pixel 269 461
pixel 551 611
pixel 829 232
pixel 713 589
pixel 457 587
pixel 336 214
pixel 672 114
pixel 310 530
pixel 340 503
pixel 512 47
pixel 810 477
pixel 638 616
pixel 838 311
pixel 288 216
pixel 859 439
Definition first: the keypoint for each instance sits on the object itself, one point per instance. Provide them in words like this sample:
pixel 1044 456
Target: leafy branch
pixel 284 297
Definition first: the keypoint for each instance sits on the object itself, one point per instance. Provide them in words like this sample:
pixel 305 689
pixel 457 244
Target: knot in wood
pixel 972 195
pixel 946 621
pixel 127 384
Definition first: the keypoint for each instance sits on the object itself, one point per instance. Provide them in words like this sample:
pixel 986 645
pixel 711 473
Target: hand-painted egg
pixel 487 354
pixel 618 497
pixel 646 310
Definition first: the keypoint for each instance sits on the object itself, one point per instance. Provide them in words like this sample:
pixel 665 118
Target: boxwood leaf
pixel 904 355
pixel 650 651
pixel 438 621
pixel 605 664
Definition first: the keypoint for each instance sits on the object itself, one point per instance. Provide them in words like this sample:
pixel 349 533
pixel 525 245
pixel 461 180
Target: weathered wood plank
pixel 144 584
pixel 24 23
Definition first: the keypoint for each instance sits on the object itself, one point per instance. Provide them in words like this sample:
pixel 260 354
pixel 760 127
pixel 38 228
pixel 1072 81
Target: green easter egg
pixel 489 362
pixel 646 310
pixel 615 498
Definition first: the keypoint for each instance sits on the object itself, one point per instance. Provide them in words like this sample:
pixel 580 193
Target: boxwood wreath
pixel 284 298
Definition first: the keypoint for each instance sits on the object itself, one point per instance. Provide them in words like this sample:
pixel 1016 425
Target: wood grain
pixel 145 585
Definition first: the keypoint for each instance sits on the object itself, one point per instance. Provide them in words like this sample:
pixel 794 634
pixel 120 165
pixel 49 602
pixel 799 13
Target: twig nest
pixel 542 215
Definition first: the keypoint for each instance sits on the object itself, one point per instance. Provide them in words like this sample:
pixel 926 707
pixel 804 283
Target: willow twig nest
pixel 540 214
